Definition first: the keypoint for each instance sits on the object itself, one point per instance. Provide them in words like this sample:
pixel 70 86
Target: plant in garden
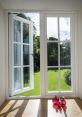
pixel 68 77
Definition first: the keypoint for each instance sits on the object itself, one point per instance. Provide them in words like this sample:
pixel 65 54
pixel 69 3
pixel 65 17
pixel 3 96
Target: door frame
pixel 42 51
pixel 74 64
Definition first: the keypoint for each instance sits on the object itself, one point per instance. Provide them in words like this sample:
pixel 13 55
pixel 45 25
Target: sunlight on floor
pixel 38 108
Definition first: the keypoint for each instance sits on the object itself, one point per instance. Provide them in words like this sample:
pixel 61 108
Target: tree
pixel 36 41
pixel 65 53
pixel 52 52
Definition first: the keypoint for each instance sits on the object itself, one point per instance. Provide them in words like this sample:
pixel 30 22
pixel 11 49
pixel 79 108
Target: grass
pixel 53 79
pixel 36 90
pixel 52 83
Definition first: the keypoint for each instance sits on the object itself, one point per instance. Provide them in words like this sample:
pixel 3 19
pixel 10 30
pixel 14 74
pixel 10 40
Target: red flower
pixel 59 103
pixel 56 104
pixel 63 103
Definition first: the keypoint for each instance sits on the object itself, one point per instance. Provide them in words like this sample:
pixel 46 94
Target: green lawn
pixel 53 79
pixel 52 83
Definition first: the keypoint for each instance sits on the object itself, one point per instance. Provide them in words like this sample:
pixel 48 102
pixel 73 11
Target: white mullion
pixel 21 43
pixel 49 41
pixel 21 55
pixel 52 66
pixel 12 54
pixel 65 41
pixel 60 66
pixel 67 66
pixel 31 55
pixel 59 84
pixel 21 66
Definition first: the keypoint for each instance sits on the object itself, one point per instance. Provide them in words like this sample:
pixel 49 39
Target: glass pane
pixel 17 31
pixel 25 55
pixel 52 52
pixel 65 79
pixel 64 28
pixel 26 76
pixel 52 79
pixel 17 54
pixel 25 33
pixel 65 53
pixel 17 78
pixel 52 28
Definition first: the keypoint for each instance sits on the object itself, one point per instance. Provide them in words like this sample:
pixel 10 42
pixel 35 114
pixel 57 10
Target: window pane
pixel 17 31
pixel 52 52
pixel 25 33
pixel 17 78
pixel 26 76
pixel 52 79
pixel 65 79
pixel 65 54
pixel 25 55
pixel 52 28
pixel 17 54
pixel 64 28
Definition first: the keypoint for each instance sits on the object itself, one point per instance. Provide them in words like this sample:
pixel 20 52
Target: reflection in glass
pixel 25 33
pixel 52 74
pixel 52 28
pixel 52 53
pixel 65 54
pixel 25 54
pixel 64 28
pixel 17 31
pixel 17 54
pixel 17 78
pixel 65 79
pixel 26 76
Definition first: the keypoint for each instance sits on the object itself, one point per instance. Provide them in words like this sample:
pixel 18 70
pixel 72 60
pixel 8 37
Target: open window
pixel 20 55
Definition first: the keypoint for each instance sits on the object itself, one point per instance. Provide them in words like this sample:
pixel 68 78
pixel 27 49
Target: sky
pixel 52 26
pixel 36 19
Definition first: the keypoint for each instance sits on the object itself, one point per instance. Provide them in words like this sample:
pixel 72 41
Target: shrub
pixel 68 77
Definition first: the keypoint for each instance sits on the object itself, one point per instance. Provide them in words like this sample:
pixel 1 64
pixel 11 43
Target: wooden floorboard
pixel 39 108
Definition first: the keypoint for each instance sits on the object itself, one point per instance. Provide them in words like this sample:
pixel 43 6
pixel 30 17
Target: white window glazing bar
pixel 21 55
pixel 58 41
pixel 21 66
pixel 59 84
pixel 21 43
pixel 59 66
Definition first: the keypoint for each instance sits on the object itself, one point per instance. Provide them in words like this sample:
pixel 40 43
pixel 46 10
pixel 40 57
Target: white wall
pixel 2 57
pixel 80 53
pixel 42 4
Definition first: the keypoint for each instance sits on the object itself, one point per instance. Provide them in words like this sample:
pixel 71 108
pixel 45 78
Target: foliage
pixel 65 53
pixel 36 53
pixel 68 77
pixel 52 52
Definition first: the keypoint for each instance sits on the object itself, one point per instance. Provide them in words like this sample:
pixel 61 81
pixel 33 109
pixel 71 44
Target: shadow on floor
pixel 79 102
pixel 4 111
pixel 34 108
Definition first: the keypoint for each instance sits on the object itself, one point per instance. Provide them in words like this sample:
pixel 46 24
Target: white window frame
pixel 73 69
pixel 11 57
pixel 74 15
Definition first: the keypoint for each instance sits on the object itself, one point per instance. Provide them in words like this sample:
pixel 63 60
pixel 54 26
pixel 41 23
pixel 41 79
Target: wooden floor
pixel 39 108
